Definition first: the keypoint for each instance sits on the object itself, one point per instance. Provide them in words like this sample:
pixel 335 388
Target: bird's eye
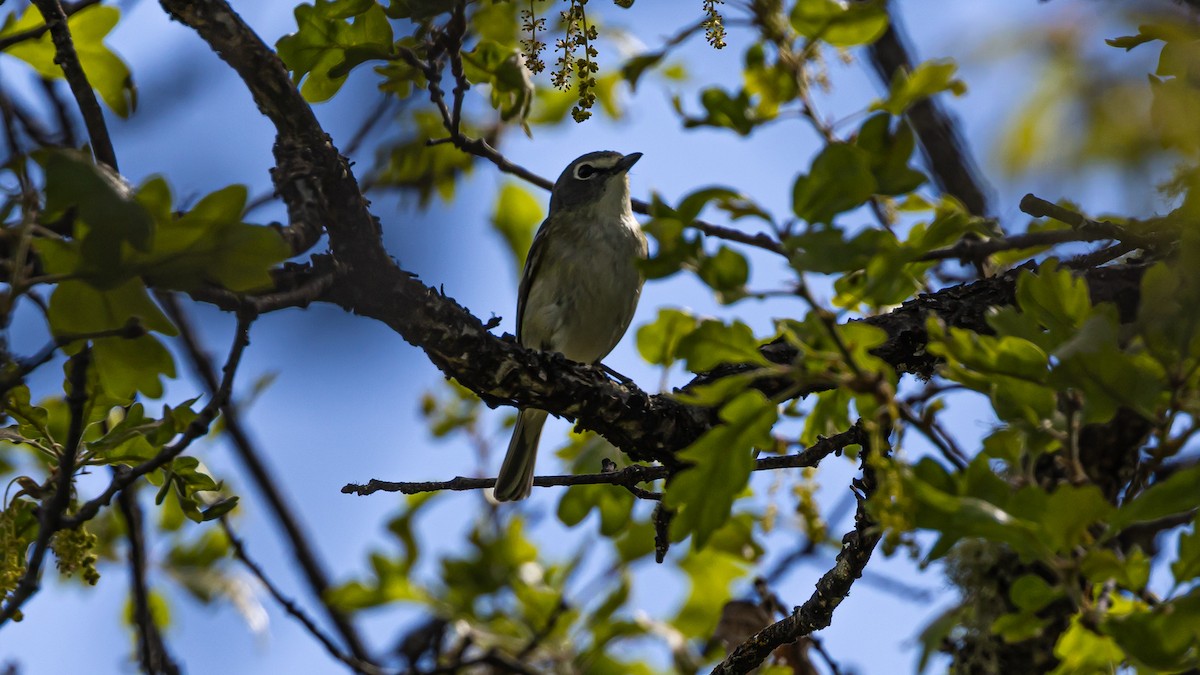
pixel 584 171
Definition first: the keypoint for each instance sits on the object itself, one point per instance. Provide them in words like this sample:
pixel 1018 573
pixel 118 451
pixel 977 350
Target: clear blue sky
pixel 345 405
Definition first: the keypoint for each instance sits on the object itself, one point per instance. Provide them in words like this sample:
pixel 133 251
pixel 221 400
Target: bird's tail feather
pixel 516 473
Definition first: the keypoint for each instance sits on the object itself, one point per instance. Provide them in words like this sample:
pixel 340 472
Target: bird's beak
pixel 627 162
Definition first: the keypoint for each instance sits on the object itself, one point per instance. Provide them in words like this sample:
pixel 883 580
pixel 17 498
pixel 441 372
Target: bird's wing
pixel 533 262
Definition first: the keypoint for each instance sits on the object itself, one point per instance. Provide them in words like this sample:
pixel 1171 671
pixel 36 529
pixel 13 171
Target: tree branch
pixel 941 142
pixel 68 60
pixel 817 612
pixel 51 512
pixel 152 651
pixel 252 461
pixel 501 372
pixel 630 476
pixel 290 606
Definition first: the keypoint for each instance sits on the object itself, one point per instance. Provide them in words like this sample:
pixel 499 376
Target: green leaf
pixel 723 110
pixel 889 154
pixel 105 71
pixel 613 503
pixel 829 415
pixel 714 343
pixel 124 365
pixel 1070 513
pixel 722 458
pixel 1168 497
pixel 325 47
pixel 658 341
pixel 210 244
pixel 1186 566
pixel 633 69
pixel 726 272
pixel 840 180
pixel 1081 650
pixel 219 508
pixel 1165 637
pixel 927 79
pixel 710 574
pixel 1031 593
pixel 500 67
pixel 1131 571
pixel 1056 299
pixel 515 216
pixel 414 164
pixel 77 307
pixel 1093 362
pixel 840 24
pixel 105 206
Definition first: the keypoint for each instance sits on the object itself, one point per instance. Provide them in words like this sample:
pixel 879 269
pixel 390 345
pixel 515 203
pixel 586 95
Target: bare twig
pixel 125 476
pixel 264 482
pixel 293 609
pixel 629 476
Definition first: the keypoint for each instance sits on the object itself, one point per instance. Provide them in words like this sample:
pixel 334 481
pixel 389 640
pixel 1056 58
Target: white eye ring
pixel 591 172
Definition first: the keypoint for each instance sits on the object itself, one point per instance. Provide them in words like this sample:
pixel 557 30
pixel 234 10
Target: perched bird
pixel 579 289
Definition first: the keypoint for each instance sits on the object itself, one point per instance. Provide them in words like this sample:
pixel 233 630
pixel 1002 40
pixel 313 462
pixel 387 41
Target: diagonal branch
pixel 290 606
pixel 252 461
pixel 369 283
pixel 817 612
pixel 68 60
pixel 941 141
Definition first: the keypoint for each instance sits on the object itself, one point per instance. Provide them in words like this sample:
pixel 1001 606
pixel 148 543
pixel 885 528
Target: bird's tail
pixel 516 473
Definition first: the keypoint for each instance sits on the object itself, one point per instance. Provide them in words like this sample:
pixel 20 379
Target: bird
pixel 579 288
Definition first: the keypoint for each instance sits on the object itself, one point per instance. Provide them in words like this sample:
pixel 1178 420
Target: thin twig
pixel 264 481
pixel 479 147
pixel 630 475
pixel 198 427
pixel 290 606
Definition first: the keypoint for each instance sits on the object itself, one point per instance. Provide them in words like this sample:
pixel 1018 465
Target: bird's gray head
pixel 595 180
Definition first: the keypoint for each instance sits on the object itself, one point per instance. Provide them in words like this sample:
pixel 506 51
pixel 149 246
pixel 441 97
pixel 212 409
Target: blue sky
pixel 344 407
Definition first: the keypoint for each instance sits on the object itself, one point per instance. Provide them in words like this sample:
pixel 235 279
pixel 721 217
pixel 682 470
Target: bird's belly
pixel 584 315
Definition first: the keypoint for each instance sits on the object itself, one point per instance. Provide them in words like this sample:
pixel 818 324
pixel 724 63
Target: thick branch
pixel 501 372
